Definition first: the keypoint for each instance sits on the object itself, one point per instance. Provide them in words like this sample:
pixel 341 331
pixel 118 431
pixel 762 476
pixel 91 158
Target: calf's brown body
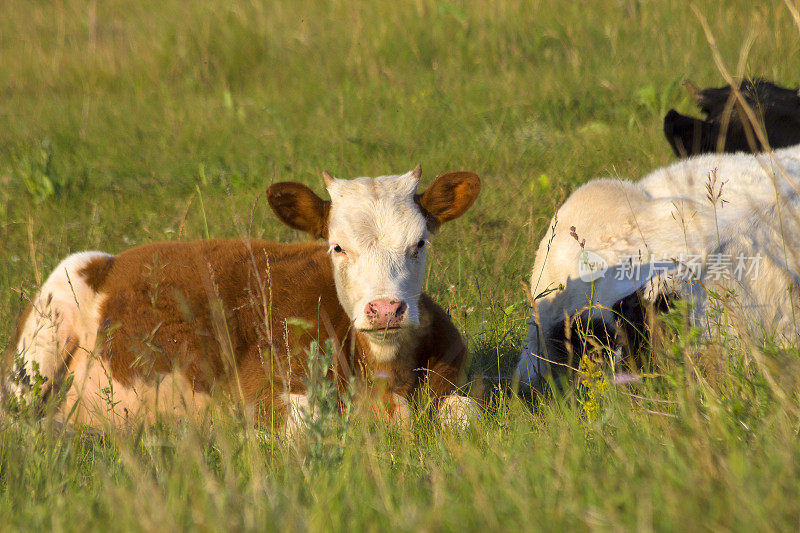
pixel 236 317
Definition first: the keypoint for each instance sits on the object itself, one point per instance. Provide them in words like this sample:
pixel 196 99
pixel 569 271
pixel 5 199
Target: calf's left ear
pixel 449 197
pixel 300 208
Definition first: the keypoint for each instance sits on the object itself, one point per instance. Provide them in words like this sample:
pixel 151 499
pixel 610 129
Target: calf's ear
pixel 449 197
pixel 300 208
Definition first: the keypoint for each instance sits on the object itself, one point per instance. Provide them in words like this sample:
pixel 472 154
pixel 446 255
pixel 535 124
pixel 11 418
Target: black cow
pixel 776 107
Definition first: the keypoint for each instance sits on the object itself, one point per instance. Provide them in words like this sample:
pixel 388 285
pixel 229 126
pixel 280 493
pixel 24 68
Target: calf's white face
pixel 377 230
pixel 378 238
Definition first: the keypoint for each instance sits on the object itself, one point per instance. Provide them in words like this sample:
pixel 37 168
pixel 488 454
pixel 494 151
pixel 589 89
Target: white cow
pixel 713 220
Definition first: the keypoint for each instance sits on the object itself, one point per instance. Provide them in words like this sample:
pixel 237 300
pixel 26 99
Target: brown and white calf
pixel 163 327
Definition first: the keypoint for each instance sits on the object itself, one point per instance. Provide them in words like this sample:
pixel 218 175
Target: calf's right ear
pixel 300 208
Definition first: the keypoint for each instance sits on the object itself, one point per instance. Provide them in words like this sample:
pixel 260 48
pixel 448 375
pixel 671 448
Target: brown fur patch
pixel 300 208
pixel 437 357
pixel 449 197
pixel 96 270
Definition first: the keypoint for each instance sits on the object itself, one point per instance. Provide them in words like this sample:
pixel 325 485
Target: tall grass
pixel 118 117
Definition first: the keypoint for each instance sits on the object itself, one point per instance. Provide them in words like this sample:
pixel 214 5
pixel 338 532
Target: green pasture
pixel 124 123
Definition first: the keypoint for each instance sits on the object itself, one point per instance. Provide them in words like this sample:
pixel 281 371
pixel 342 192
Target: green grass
pixel 115 115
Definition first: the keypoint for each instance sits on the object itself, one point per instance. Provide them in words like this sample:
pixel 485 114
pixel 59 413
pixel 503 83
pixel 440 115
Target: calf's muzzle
pixel 385 313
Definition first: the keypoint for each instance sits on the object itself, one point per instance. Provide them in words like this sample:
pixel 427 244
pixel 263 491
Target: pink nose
pixel 384 313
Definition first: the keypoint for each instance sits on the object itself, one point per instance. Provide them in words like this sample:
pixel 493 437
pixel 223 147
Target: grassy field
pixel 130 122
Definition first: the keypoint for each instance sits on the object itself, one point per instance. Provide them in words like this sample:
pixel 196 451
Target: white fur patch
pixel 383 351
pixel 65 310
pixel 297 407
pixel 95 398
pixel 385 346
pixel 458 411
pixel 402 410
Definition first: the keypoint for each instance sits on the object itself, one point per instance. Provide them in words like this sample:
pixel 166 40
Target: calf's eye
pixel 418 249
pixel 338 249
